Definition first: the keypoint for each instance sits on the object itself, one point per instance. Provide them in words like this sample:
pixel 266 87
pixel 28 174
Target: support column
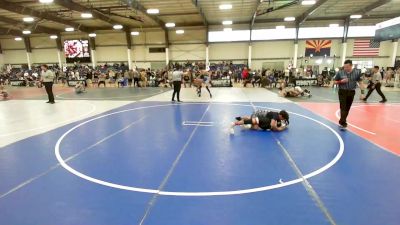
pixel 344 50
pixel 207 58
pixel 59 59
pixel 1 58
pixel 28 49
pixel 166 47
pixel 129 58
pixel 92 44
pixel 167 56
pixel 59 51
pixel 296 49
pixel 296 46
pixel 395 46
pixel 207 50
pixel 344 41
pixel 249 59
pixel 129 47
pixel 28 60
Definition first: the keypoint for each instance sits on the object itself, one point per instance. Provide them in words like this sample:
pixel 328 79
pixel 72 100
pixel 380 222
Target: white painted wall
pixel 190 36
pixel 10 44
pixel 111 39
pixel 187 52
pixel 41 56
pixel 43 42
pixel 111 53
pixel 14 56
pixel 228 51
pixel 141 54
pixel 272 49
pixel 111 47
pixel 398 49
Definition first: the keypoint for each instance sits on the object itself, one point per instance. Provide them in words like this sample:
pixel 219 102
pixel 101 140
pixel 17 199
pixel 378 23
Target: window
pixel 156 50
pixel 361 31
pixel 320 32
pixel 273 34
pixel 227 36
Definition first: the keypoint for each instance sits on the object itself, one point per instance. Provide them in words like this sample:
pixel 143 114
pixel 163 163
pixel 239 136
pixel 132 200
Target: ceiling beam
pixel 301 19
pixel 34 28
pixel 253 19
pixel 8 31
pixel 19 9
pixel 69 4
pixel 369 8
pixel 139 7
pixel 198 7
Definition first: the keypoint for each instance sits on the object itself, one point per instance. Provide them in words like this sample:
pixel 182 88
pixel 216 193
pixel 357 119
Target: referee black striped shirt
pixel 354 76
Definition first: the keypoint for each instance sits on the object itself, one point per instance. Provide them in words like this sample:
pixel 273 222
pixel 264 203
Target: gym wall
pixel 111 47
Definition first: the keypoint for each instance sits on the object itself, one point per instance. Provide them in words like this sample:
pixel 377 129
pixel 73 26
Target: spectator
pixel 136 77
pixel 245 76
pixel 102 80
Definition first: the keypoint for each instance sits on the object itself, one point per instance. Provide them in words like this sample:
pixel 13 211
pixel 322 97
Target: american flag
pixel 366 48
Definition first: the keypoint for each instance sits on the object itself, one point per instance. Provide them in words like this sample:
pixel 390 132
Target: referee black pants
pixel 346 98
pixel 177 90
pixel 49 90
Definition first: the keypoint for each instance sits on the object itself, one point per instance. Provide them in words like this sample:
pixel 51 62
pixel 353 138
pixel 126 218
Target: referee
pixel 48 79
pixel 347 80
pixel 177 81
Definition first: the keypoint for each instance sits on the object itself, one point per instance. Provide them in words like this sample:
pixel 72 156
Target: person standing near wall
pixel 245 76
pixel 136 77
pixel 347 80
pixel 48 79
pixel 375 83
pixel 130 78
pixel 177 82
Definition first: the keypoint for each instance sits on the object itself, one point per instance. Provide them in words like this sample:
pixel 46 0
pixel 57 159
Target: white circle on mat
pixel 177 193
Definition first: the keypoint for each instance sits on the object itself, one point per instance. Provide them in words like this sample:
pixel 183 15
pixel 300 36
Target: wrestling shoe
pixel 383 101
pixel 238 118
pixel 342 127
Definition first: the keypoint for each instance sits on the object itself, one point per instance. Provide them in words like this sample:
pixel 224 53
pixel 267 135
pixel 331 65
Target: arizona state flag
pixel 318 47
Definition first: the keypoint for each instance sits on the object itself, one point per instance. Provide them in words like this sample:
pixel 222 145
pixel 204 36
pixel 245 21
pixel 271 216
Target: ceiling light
pixel 135 33
pixel 289 19
pixel 280 27
pixel 153 11
pixel 86 15
pixel 334 25
pixel 26 32
pixel 228 29
pixel 18 39
pixel 225 6
pixel 117 27
pixel 28 19
pixel 92 35
pixel 308 2
pixel 46 1
pixel 180 31
pixel 53 37
pixel 356 16
pixel 227 22
pixel 69 29
pixel 170 24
